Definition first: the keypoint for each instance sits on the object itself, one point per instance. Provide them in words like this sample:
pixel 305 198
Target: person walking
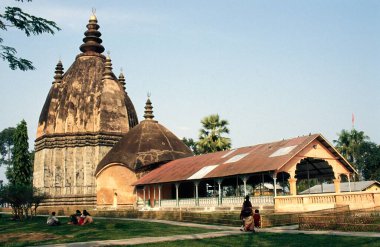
pixel 246 215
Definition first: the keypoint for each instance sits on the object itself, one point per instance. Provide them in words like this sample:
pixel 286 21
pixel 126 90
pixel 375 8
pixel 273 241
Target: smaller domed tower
pixel 144 148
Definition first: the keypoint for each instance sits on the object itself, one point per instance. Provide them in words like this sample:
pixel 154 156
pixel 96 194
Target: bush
pixel 24 199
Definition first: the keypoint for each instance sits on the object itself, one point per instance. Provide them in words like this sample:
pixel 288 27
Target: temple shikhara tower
pixel 85 113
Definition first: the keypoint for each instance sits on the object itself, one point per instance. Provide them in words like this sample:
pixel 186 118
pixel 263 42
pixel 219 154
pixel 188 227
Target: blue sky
pixel 273 69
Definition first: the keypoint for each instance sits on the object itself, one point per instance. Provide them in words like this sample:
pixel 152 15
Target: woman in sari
pixel 246 215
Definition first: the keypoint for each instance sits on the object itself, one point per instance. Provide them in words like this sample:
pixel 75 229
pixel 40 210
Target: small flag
pixel 353 120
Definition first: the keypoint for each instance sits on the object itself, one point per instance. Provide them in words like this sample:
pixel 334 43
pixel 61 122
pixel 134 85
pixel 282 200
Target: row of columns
pixel 154 194
pixel 196 186
pixel 292 186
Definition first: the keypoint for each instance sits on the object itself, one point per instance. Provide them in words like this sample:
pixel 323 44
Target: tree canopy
pixel 363 154
pixel 191 144
pixel 6 145
pixel 211 137
pixel 14 17
pixel 20 171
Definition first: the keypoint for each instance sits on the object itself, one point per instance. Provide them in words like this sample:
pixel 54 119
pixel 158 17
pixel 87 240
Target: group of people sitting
pixel 250 220
pixel 75 219
pixel 80 218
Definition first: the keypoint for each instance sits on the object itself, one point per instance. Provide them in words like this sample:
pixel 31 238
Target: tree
pixel 191 144
pixel 348 144
pixel 14 17
pixel 24 199
pixel 211 137
pixel 369 160
pixel 20 171
pixel 6 145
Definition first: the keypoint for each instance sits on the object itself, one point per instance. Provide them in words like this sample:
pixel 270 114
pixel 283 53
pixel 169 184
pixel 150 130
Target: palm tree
pixel 210 136
pixel 348 144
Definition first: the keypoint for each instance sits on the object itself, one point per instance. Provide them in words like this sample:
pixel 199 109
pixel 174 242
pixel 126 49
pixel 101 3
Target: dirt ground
pixel 30 236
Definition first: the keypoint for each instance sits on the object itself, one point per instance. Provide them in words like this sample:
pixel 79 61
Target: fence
pixel 282 219
pixel 358 220
pixel 213 201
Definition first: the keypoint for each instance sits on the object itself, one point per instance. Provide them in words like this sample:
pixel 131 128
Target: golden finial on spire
pixel 93 16
pixel 92 40
pixel 108 54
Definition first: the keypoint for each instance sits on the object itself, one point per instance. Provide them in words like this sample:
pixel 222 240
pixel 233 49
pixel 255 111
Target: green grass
pixel 17 233
pixel 119 229
pixel 273 239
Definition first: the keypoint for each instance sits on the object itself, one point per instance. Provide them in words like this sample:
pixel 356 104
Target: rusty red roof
pixel 246 160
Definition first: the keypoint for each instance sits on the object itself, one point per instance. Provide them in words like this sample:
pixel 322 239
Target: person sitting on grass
pixel 53 220
pixel 257 219
pixel 85 218
pixel 74 218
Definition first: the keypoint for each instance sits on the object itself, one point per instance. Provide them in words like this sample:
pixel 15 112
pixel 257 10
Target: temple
pixel 86 112
pixel 91 151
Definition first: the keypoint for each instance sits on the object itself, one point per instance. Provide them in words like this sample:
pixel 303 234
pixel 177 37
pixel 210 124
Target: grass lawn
pixel 36 232
pixel 273 239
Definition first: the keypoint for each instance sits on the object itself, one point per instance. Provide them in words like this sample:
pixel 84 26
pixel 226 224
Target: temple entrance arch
pixel 312 171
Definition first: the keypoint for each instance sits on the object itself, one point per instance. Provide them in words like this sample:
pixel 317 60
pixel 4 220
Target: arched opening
pixel 311 172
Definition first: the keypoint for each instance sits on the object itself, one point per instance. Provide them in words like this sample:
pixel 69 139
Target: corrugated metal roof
pixel 344 187
pixel 257 160
pixel 202 172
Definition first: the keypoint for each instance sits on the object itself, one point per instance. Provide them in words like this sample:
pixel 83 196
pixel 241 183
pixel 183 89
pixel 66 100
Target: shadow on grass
pixel 104 229
pixel 273 239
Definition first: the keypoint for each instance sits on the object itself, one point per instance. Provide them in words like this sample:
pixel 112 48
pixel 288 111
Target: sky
pixel 273 69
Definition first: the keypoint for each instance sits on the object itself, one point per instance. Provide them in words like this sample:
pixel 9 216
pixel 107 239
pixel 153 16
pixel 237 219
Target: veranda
pixel 281 165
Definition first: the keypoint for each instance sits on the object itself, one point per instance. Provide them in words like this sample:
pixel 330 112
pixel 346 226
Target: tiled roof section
pixel 257 160
pixel 344 187
pixel 260 158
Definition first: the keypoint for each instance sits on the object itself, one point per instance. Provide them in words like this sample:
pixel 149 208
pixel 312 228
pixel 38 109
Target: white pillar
pixel 144 197
pixel 275 186
pixel 196 183
pixel 349 182
pixel 176 194
pixel 245 179
pixel 149 196
pixel 154 195
pixel 159 195
pixel 219 191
